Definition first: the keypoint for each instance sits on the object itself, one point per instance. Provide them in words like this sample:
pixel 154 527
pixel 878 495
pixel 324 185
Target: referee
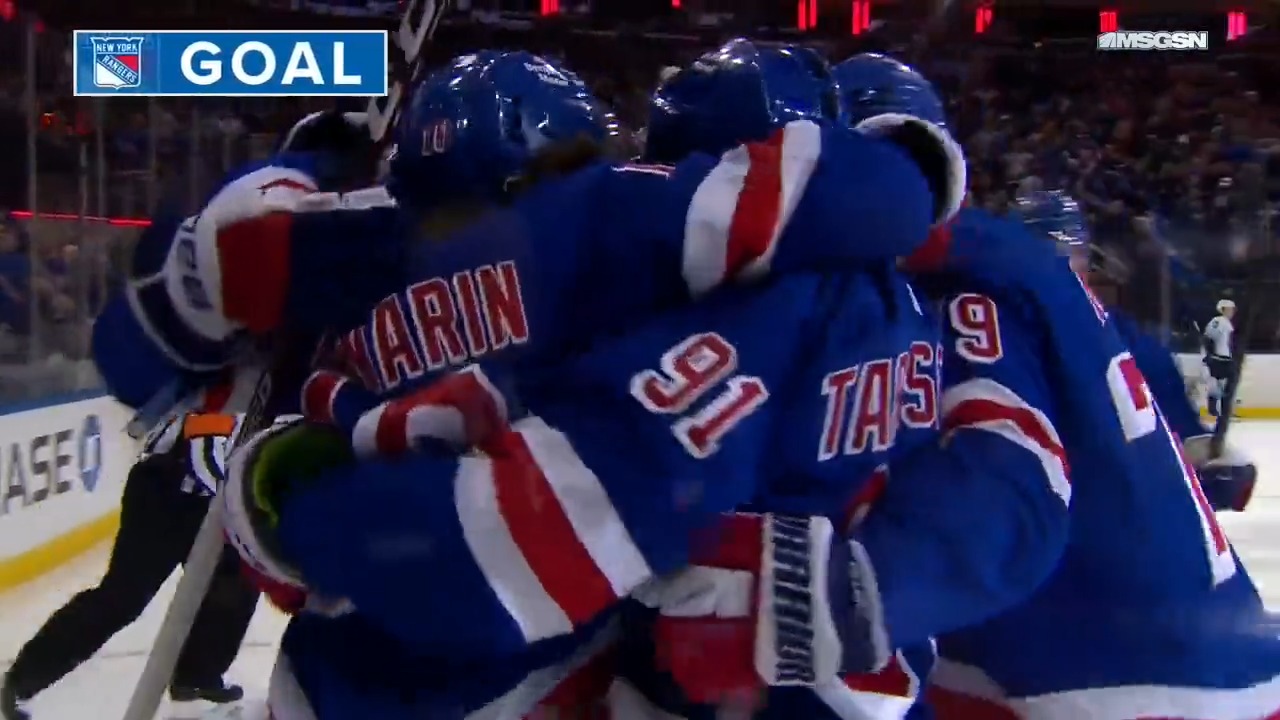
pixel 165 500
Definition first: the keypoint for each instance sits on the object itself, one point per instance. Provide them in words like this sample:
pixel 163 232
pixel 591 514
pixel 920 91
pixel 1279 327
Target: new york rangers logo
pixel 117 61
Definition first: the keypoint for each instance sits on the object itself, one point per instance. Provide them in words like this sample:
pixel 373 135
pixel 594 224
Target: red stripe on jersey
pixel 932 255
pixel 217 396
pixel 582 695
pixel 980 410
pixel 482 417
pixel 318 393
pixel 253 258
pixel 893 679
pixel 1220 542
pixel 755 217
pixel 392 434
pixel 865 498
pixel 542 531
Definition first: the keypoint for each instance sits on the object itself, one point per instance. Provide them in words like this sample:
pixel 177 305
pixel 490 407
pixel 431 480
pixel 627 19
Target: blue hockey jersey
pixel 1162 375
pixel 1149 613
pixel 729 218
pixel 572 259
pixel 559 520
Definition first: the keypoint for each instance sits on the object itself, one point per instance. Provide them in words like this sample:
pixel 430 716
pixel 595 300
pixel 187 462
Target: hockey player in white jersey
pixel 1217 355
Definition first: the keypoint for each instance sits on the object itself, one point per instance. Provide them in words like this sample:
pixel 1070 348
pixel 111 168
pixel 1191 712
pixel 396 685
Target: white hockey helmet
pixel 1225 304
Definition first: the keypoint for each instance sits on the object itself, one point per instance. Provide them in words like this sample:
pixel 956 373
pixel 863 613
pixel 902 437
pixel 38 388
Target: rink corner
pixel 37 561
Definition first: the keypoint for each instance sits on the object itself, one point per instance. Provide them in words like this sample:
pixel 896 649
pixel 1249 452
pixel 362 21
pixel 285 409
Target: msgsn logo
pixel 264 63
pixel 1154 40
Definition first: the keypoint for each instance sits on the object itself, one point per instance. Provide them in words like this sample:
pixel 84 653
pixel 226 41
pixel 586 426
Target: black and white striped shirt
pixel 208 438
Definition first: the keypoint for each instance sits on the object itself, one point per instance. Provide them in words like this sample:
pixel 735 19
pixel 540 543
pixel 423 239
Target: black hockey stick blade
pixel 417 26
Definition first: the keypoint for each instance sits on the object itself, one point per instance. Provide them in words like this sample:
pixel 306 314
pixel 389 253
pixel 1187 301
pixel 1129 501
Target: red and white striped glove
pixel 460 410
pixel 770 600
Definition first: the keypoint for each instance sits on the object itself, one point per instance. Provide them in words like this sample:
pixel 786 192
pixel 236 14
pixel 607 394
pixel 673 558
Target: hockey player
pixel 1217 355
pixel 1228 481
pixel 1147 568
pixel 699 223
pixel 910 537
pixel 326 151
pixel 698 396
pixel 613 241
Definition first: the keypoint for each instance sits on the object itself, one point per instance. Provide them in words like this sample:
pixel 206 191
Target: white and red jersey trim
pixel 885 695
pixel 984 404
pixel 741 207
pixel 544 532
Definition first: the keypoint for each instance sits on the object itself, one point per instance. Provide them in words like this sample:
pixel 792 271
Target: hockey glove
pixel 932 147
pixel 771 600
pixel 1228 481
pixel 459 411
pixel 261 476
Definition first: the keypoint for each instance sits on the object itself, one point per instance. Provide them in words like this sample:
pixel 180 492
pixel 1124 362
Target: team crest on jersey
pixel 117 61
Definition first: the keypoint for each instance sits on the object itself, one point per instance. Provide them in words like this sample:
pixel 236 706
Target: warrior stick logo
pixel 117 62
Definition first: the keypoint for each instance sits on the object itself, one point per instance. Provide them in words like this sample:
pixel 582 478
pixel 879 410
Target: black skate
pixel 9 700
pixel 219 693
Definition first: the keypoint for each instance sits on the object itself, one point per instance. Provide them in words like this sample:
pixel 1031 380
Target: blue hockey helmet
pixel 873 84
pixel 473 126
pixel 1054 215
pixel 738 93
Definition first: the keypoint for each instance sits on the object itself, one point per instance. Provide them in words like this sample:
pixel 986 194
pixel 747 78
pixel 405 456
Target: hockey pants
pixel 158 523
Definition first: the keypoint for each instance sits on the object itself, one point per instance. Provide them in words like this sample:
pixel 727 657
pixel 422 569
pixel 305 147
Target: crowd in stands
pixel 1175 158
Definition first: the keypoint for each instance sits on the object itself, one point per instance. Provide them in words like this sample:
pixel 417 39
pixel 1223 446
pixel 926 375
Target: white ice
pixel 100 689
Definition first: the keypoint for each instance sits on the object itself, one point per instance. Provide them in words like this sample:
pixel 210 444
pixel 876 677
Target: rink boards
pixel 1259 394
pixel 62 468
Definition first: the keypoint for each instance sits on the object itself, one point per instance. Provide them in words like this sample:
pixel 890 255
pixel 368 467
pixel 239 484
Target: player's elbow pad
pixel 933 149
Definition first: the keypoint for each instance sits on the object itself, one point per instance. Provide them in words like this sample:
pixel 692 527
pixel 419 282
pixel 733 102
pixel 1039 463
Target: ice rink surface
pixel 100 688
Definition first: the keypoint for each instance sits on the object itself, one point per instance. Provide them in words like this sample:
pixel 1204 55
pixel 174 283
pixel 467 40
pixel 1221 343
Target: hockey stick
pixel 417 26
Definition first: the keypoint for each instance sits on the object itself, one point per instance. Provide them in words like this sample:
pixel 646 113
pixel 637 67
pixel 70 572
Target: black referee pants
pixel 158 523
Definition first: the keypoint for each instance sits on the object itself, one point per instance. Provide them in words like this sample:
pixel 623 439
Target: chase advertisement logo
pixel 262 63
pixel 89 457
pixel 38 468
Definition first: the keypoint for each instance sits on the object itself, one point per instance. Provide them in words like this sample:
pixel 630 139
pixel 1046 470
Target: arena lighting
pixel 861 16
pixel 1108 21
pixel 550 7
pixel 982 19
pixel 1237 24
pixel 71 217
pixel 806 14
